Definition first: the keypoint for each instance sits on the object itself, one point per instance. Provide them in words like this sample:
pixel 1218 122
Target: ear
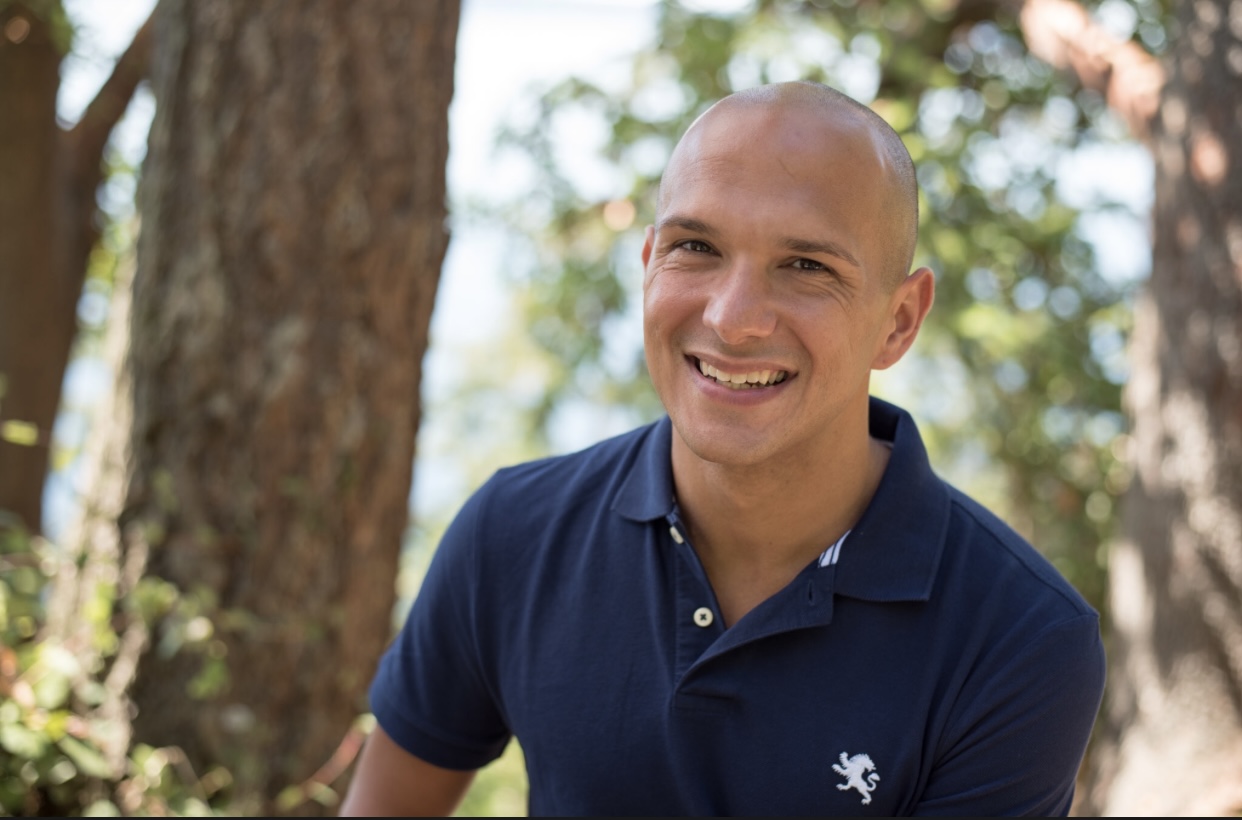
pixel 647 244
pixel 908 307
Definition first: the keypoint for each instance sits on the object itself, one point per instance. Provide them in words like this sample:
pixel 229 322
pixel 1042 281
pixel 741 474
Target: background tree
pixel 292 235
pixel 1172 726
pixel 51 223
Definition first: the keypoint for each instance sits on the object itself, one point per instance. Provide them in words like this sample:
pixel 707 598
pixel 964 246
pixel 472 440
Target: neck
pixel 755 527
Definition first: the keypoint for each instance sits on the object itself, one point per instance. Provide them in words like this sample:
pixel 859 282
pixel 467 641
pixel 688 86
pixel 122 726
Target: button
pixel 703 616
pixel 676 535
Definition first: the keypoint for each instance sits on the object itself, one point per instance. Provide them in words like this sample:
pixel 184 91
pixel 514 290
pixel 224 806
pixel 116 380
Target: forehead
pixel 780 166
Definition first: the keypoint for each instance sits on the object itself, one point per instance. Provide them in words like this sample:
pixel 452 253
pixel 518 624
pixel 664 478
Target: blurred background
pixel 258 259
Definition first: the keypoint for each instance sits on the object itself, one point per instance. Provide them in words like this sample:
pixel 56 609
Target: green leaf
pixel 51 689
pixel 21 433
pixel 211 680
pixel 102 808
pixel 289 797
pixel 23 742
pixel 193 807
pixel 88 759
pixel 59 659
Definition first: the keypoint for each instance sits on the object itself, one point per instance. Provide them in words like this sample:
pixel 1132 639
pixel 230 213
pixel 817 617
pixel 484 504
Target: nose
pixel 740 306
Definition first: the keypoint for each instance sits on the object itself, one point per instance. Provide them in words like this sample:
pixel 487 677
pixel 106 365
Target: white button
pixel 676 535
pixel 703 616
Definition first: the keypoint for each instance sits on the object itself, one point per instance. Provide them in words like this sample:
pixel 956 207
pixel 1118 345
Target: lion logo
pixel 853 770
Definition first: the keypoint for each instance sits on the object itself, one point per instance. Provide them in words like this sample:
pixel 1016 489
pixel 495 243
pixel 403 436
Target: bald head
pixel 802 107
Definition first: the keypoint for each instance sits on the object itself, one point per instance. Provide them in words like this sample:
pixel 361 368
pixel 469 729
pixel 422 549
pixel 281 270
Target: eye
pixel 808 265
pixel 695 246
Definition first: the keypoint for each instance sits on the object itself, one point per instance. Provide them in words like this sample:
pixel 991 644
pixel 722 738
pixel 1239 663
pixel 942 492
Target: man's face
pixel 765 270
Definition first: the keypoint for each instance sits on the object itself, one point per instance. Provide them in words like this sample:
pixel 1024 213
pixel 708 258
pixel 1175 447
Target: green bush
pixel 57 717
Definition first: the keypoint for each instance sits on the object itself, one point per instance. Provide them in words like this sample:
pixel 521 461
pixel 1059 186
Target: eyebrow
pixel 796 245
pixel 823 246
pixel 687 224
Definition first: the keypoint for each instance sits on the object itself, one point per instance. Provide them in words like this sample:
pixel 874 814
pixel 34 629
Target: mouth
pixel 742 381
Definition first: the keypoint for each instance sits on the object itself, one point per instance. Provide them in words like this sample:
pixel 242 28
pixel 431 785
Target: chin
pixel 725 448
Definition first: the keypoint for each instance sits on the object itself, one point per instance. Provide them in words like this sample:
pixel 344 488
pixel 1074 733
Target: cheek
pixel 659 345
pixel 668 303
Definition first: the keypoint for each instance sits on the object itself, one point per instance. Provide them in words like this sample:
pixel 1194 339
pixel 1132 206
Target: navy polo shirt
pixel 940 666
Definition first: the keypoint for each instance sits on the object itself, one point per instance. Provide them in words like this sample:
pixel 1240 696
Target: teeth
pixel 743 381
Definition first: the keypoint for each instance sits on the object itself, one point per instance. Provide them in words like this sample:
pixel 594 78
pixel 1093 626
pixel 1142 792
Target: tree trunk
pixel 34 339
pixel 293 207
pixel 1171 739
pixel 50 224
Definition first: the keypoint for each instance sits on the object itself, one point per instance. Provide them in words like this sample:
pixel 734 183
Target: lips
pixel 742 381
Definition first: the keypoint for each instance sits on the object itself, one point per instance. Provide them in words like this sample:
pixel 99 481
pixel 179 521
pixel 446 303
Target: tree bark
pixel 50 224
pixel 32 290
pixel 293 207
pixel 1171 733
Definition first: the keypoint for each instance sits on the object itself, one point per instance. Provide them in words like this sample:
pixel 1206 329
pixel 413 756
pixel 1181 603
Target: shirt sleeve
pixel 1020 731
pixel 432 693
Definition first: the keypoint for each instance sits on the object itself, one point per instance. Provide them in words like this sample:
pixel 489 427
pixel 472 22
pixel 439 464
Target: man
pixel 765 603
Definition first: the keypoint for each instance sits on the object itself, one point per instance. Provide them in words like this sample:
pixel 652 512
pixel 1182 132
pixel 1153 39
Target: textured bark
pixel 293 231
pixel 32 291
pixel 1170 735
pixel 1171 739
pixel 49 221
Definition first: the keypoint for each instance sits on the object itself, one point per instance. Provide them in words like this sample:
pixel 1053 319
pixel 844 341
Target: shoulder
pixel 1026 668
pixel 984 549
pixel 589 476
pixel 921 539
pixel 546 503
pixel 1020 627
pixel 542 527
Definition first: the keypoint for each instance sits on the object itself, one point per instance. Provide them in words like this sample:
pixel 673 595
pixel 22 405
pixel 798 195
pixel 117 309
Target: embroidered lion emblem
pixel 853 769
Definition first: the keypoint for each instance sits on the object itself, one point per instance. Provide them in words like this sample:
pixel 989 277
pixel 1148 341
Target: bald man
pixel 766 602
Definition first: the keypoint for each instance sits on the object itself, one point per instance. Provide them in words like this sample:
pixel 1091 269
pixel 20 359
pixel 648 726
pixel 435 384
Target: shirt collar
pixel 647 492
pixel 894 550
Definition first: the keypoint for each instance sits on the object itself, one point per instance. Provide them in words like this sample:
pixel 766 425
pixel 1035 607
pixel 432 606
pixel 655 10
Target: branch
pixel 319 786
pixel 1062 34
pixel 89 136
pixel 82 148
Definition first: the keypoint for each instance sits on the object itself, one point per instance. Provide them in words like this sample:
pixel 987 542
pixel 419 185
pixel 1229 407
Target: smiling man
pixel 765 603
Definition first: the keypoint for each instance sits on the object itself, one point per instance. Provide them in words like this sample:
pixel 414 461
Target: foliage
pixel 1019 370
pixel 64 719
pixel 55 724
pixel 500 788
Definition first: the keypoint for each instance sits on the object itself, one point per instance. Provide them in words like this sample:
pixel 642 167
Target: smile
pixel 742 381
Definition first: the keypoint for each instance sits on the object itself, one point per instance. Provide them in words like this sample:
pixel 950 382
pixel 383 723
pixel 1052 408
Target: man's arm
pixel 391 782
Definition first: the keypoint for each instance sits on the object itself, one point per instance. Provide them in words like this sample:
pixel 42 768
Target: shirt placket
pixel 698 621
